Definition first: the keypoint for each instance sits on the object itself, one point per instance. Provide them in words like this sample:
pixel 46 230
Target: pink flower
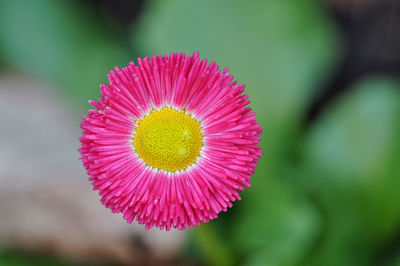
pixel 171 142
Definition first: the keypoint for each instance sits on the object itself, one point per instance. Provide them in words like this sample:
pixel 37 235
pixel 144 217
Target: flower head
pixel 171 141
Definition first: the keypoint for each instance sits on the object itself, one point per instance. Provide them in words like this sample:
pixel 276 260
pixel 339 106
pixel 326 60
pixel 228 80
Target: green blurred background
pixel 323 78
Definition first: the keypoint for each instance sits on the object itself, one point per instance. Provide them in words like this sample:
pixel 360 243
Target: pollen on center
pixel 168 139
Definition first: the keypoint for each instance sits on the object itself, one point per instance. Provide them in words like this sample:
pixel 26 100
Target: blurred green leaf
pixel 19 258
pixel 352 159
pixel 215 251
pixel 395 261
pixel 277 228
pixel 60 42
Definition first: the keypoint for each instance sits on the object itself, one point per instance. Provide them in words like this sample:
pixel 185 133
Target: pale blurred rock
pixel 46 201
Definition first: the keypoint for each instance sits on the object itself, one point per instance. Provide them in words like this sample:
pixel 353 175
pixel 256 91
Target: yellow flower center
pixel 168 139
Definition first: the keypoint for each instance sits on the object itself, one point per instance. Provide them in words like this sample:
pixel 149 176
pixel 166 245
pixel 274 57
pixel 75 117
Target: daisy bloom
pixel 171 141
